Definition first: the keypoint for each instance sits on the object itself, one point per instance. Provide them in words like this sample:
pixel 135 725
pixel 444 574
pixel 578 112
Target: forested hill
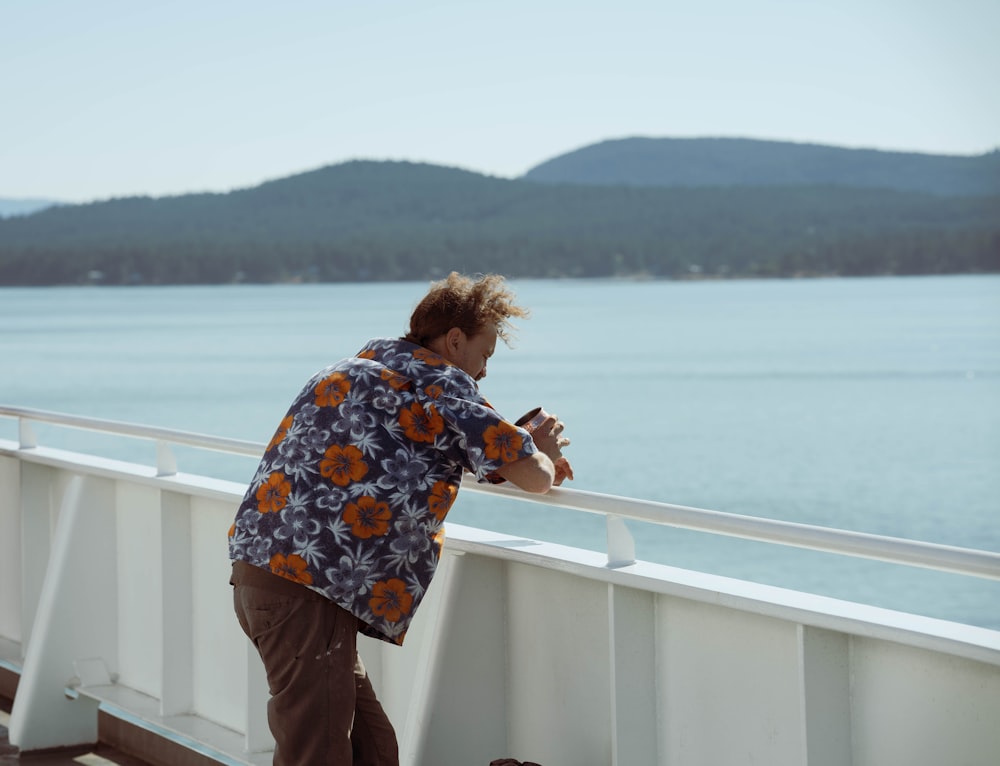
pixel 401 221
pixel 747 162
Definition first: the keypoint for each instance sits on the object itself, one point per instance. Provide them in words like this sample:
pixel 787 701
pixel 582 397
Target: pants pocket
pixel 260 611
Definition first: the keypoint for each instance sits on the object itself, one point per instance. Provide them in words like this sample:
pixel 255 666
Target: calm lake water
pixel 866 404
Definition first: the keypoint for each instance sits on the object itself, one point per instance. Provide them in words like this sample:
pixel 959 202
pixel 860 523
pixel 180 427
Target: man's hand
pixel 563 471
pixel 549 439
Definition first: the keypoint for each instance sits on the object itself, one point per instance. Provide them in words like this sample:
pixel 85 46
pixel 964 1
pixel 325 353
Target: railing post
pixel 177 680
pixel 76 620
pixel 632 647
pixel 26 434
pixel 166 463
pixel 621 546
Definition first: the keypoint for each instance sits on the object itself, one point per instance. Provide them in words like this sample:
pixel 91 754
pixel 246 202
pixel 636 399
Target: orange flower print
pixel 342 465
pixel 331 390
pixel 368 517
pixel 390 600
pixel 433 391
pixel 232 530
pixel 369 354
pixel 421 425
pixel 394 379
pixel 282 431
pixel 428 357
pixel 291 567
pixel 442 496
pixel 502 441
pixel 439 541
pixel 273 493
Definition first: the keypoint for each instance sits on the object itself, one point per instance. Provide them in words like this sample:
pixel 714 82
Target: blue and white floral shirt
pixel 350 497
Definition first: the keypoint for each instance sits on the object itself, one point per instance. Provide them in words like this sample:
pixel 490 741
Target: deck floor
pixel 86 755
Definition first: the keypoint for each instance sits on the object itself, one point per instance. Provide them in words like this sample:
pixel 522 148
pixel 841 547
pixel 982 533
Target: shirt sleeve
pixel 483 440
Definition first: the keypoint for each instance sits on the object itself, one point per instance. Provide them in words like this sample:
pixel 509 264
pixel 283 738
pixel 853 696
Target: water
pixel 866 404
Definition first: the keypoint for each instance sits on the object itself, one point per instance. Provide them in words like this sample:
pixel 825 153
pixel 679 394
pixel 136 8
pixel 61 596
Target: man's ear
pixel 453 339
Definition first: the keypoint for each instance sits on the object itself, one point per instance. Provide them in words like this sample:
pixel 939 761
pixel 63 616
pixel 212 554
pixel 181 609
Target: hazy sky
pixel 117 97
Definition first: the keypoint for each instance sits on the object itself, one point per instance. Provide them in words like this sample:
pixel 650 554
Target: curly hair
pixel 468 304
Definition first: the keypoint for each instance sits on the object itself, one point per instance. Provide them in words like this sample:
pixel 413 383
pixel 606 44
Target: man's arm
pixel 534 473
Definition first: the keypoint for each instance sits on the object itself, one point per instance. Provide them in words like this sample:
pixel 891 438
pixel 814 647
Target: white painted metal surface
pixel 113 580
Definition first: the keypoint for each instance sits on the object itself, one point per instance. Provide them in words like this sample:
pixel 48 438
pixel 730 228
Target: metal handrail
pixel 155 433
pixel 896 550
pixel 964 561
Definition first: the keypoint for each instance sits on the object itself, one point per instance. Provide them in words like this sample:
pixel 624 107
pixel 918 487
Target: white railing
pixel 113 590
pixel 946 558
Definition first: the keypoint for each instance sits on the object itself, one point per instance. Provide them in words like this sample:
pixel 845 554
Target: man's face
pixel 474 351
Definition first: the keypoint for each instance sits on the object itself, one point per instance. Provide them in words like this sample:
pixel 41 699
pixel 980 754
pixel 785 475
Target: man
pixel 341 528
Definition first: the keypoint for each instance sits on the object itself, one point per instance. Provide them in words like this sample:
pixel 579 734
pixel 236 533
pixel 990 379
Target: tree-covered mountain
pixel 746 162
pixel 398 220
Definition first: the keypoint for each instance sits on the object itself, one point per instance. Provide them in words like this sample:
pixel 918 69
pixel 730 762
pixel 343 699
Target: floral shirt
pixel 350 497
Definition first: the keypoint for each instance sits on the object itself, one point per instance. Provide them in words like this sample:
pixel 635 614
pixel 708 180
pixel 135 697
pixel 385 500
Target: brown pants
pixel 322 709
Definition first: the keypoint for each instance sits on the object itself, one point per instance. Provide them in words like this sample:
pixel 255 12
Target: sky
pixel 114 98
